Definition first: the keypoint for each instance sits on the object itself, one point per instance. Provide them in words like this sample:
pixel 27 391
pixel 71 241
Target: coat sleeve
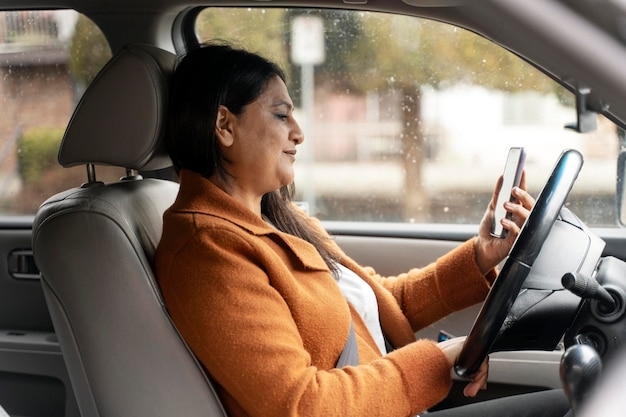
pixel 243 332
pixel 451 283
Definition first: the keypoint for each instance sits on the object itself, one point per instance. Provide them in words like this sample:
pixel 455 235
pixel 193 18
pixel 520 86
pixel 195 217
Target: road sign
pixel 307 40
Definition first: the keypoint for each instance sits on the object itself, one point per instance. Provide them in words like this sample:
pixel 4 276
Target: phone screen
pixel 511 178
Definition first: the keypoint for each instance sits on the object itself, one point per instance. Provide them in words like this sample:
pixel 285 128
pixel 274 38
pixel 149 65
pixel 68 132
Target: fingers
pixel 491 250
pixel 523 197
pixel 478 381
pixel 520 210
pixel 452 348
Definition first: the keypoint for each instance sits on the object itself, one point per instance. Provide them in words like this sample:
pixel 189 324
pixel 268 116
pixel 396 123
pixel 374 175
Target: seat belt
pixel 350 354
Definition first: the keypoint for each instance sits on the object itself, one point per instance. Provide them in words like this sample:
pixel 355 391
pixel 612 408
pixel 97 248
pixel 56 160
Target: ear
pixel 224 126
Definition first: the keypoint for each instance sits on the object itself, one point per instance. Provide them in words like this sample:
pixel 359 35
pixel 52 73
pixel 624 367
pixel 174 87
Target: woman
pixel 259 290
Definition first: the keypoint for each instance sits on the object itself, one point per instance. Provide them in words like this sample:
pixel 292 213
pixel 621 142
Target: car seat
pixel 94 246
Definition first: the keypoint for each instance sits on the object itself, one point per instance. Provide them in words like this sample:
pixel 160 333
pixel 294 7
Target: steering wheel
pixel 518 264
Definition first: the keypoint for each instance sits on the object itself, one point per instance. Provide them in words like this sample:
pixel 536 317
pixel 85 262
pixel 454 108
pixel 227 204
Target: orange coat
pixel 264 316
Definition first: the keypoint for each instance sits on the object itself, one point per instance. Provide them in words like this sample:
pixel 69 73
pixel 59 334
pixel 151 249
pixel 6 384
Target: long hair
pixel 204 79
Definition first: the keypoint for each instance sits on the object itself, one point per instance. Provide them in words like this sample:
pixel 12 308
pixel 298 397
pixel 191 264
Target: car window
pixel 410 120
pixel 46 60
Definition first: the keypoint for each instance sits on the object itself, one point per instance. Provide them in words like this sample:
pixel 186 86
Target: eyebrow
pixel 283 103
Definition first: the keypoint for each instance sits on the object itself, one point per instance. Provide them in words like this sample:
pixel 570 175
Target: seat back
pixel 94 245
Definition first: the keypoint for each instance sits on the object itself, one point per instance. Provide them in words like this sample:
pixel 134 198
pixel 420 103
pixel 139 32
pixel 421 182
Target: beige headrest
pixel 120 120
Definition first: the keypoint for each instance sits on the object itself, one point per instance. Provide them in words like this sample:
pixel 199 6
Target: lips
pixel 291 153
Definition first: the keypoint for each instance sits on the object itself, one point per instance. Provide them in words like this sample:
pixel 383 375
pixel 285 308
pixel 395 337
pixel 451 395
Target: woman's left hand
pixel 490 250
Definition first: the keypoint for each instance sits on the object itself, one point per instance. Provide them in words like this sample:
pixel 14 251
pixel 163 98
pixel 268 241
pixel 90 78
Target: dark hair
pixel 218 74
pixel 205 78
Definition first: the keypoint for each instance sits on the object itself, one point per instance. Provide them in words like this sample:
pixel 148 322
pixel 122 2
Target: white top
pixel 362 297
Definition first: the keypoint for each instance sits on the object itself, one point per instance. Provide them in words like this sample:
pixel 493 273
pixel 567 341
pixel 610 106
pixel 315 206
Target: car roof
pixel 580 43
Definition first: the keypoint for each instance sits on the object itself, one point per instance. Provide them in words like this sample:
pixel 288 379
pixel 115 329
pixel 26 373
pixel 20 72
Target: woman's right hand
pixel 452 349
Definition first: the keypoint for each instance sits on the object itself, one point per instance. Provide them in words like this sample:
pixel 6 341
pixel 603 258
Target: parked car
pixel 409 109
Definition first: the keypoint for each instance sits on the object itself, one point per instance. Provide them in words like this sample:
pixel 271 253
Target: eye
pixel 281 116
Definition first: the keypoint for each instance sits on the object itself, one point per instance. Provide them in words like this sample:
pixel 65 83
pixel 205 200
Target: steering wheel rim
pixel 518 264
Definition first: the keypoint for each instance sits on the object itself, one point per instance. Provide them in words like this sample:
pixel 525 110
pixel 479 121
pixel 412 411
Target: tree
pixel 410 56
pixel 89 51
pixel 260 31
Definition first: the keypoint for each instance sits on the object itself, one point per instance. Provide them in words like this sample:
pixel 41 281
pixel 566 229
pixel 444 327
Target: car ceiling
pixel 578 41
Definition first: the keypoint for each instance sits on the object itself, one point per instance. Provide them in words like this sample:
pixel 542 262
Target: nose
pixel 296 133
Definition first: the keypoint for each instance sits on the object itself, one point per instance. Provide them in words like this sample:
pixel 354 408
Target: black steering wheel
pixel 518 264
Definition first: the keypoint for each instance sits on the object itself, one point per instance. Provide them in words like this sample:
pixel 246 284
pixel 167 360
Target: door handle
pixel 21 264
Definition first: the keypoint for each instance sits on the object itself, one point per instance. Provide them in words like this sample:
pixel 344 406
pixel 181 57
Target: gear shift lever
pixel 580 368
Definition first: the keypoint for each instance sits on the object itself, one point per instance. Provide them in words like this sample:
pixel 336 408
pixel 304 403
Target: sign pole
pixel 307 50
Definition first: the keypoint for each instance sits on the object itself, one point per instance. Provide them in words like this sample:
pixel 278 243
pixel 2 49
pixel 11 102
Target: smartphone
pixel 511 178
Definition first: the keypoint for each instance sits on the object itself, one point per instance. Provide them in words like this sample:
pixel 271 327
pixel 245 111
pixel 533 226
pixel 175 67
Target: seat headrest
pixel 120 120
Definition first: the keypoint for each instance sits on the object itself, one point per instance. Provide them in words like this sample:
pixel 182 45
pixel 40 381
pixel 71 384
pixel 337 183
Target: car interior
pixel 84 330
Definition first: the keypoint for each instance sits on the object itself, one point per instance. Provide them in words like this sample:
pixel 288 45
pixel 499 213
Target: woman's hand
pixel 490 251
pixel 452 349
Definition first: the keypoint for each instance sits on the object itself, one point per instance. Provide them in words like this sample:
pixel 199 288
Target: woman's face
pixel 262 149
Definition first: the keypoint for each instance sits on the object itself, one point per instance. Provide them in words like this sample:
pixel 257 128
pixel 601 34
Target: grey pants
pixel 551 403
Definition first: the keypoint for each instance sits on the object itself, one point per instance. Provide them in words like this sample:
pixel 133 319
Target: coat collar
pixel 199 195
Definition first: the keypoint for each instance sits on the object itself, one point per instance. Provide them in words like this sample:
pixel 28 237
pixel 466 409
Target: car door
pixel 33 378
